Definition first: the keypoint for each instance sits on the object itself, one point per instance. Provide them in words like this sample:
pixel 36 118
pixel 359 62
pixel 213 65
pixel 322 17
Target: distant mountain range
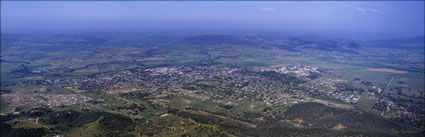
pixel 290 44
pixel 296 44
pixel 410 43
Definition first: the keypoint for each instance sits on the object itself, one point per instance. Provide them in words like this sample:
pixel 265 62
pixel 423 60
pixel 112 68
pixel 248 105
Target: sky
pixel 375 17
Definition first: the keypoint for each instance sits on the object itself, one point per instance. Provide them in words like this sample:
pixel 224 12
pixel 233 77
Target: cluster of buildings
pixel 43 99
pixel 298 70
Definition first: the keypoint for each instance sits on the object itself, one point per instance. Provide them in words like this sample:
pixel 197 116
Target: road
pixel 382 96
pixel 383 90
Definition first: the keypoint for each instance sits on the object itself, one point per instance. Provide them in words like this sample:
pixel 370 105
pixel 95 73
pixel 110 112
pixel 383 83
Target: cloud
pixel 268 9
pixel 369 11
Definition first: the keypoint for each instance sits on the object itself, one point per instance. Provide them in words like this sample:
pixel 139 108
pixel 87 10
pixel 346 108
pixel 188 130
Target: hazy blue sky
pixel 366 16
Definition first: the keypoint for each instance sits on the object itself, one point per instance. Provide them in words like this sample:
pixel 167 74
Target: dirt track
pixel 222 117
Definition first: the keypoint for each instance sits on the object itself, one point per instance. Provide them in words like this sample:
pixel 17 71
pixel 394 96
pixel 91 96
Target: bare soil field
pixel 387 70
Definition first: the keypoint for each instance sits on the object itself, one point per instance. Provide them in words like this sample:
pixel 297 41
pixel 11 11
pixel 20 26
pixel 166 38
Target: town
pixel 219 83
